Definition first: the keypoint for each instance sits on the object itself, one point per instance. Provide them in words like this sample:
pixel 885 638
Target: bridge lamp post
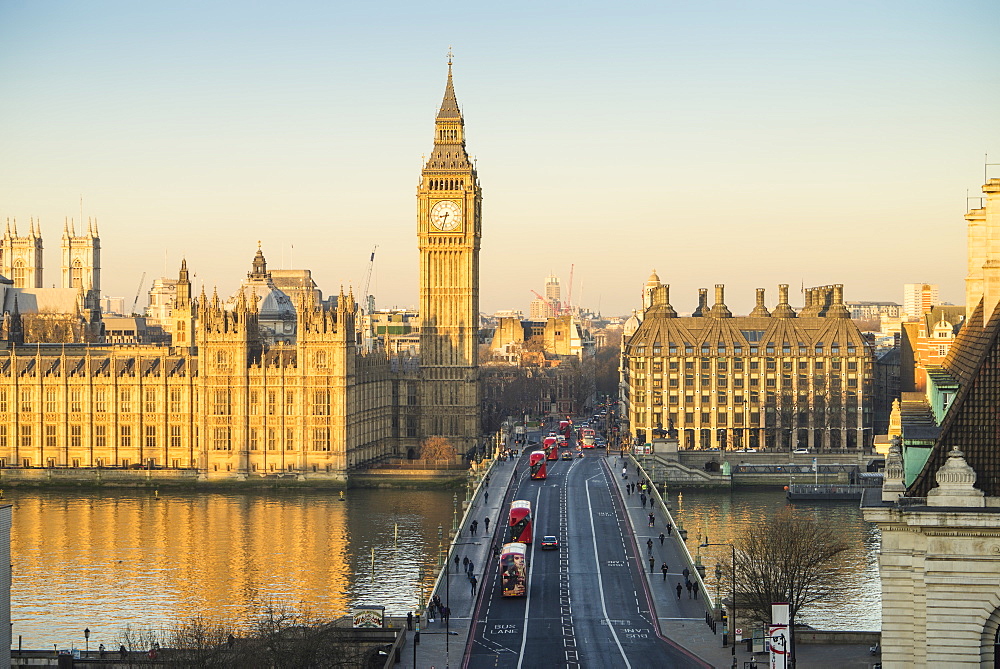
pixel 732 582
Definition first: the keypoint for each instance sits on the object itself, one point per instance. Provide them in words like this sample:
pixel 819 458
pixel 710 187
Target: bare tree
pixel 276 637
pixel 437 448
pixel 795 558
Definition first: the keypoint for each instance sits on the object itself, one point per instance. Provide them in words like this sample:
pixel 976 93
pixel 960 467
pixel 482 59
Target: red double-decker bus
pixel 566 428
pixel 537 463
pixel 514 569
pixel 587 437
pixel 551 446
pixel 519 521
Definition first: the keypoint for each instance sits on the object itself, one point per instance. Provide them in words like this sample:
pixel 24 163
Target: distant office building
pixel 872 311
pixel 774 379
pixel 557 335
pixel 918 298
pixel 540 309
pixel 552 291
pixel 161 299
pixel 114 306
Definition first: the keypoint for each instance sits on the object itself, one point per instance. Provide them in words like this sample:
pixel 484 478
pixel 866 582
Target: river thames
pixel 105 560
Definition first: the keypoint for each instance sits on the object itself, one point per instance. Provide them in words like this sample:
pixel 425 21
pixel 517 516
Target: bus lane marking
pixel 531 575
pixel 600 579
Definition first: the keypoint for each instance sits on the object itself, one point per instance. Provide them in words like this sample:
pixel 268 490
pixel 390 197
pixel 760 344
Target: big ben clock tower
pixel 449 229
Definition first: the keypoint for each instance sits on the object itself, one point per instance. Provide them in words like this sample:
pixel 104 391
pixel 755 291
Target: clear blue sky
pixel 742 143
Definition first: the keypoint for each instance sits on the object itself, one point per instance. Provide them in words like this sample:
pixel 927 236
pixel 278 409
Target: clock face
pixel 446 215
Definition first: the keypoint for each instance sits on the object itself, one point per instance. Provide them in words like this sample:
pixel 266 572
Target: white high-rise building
pixel 918 298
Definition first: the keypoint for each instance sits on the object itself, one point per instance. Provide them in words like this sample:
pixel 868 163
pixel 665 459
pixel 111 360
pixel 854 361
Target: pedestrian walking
pixel 456 562
pixel 670 529
pixel 663 568
pixel 465 563
pixel 446 614
pixel 643 499
pixel 472 567
pixel 652 564
pixel 487 481
pixel 687 585
pixel 486 497
pixel 687 573
pixel 122 653
pixel 100 651
pixel 409 620
pixel 473 582
pixel 486 521
pixel 679 588
pixel 649 545
pixel 474 526
pixel 624 473
pixel 652 519
pixel 662 537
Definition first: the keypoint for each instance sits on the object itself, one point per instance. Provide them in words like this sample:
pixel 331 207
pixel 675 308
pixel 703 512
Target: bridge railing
pixel 677 536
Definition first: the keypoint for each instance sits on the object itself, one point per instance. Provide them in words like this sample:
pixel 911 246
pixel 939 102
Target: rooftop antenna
pixel 986 167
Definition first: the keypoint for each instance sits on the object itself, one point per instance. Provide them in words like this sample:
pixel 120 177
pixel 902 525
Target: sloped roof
pixel 973 421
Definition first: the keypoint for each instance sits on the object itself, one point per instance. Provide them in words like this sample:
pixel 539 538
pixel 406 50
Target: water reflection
pixel 722 515
pixel 115 558
pixel 110 559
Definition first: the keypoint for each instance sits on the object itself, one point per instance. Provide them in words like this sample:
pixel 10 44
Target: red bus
pixel 565 428
pixel 587 435
pixel 537 463
pixel 514 569
pixel 551 446
pixel 520 521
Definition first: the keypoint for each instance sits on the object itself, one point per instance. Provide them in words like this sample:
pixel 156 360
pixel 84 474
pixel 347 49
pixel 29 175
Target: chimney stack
pixel 837 308
pixel 702 309
pixel 719 309
pixel 783 309
pixel 760 311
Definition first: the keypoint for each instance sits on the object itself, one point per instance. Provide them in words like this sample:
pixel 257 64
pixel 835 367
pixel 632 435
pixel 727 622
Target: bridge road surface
pixel 587 603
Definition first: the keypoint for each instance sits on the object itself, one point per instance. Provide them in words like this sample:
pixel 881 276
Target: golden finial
pixel 450 55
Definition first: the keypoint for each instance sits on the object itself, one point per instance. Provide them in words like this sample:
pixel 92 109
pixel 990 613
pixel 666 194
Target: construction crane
pixel 138 292
pixel 569 298
pixel 369 299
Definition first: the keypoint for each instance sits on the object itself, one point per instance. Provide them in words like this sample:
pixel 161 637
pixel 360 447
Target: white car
pixel 801 451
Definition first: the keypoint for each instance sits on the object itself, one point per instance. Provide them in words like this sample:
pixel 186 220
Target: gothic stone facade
pixel 234 409
pixel 229 403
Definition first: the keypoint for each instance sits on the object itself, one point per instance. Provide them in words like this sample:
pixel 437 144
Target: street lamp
pixel 718 585
pixel 732 582
pixel 86 638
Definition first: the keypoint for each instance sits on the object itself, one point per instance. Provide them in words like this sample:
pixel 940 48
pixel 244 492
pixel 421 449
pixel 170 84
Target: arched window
pixel 76 274
pixel 20 274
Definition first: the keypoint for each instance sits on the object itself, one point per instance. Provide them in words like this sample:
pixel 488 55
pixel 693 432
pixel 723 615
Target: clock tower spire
pixel 449 204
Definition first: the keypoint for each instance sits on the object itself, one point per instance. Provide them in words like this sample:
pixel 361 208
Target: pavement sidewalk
pixel 682 619
pixel 438 648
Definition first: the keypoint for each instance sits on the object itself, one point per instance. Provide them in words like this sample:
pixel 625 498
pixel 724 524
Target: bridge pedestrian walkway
pixel 443 644
pixel 682 619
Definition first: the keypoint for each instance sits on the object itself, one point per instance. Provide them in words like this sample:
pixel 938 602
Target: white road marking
pixel 531 574
pixel 600 581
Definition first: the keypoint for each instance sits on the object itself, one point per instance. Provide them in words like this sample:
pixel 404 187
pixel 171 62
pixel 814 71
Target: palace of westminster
pixel 266 382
